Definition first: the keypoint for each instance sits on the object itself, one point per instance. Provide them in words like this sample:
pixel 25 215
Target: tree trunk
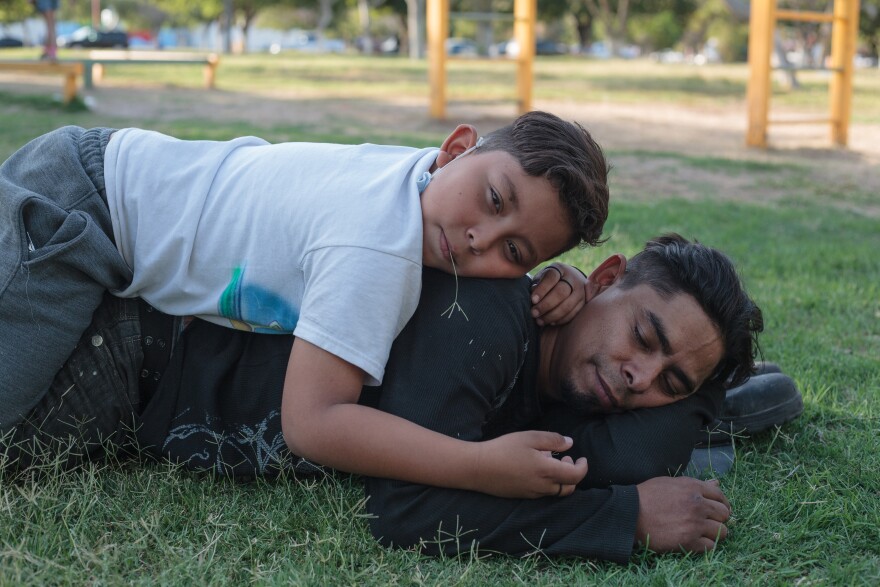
pixel 584 27
pixel 226 25
pixel 784 63
pixel 325 16
pixel 415 25
pixel 363 8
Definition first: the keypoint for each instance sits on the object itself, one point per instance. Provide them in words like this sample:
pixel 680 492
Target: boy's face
pixel 482 210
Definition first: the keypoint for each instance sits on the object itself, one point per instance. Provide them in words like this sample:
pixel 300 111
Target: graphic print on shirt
pixel 259 446
pixel 253 308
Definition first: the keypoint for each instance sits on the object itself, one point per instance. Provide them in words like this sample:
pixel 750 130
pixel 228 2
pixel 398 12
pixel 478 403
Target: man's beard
pixel 583 403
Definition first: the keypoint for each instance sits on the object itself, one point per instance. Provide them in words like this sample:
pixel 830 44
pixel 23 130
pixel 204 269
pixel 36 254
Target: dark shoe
pixel 764 367
pixel 764 401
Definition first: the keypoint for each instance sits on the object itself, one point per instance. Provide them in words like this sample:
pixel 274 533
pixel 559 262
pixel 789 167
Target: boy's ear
pixel 462 138
pixel 609 272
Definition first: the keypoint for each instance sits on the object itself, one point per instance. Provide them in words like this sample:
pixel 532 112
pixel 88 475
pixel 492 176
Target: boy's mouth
pixel 444 245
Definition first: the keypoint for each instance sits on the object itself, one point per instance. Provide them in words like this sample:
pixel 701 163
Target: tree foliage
pixel 15 10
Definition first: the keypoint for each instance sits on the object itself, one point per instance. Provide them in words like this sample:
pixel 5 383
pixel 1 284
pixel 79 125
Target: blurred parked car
pixel 668 56
pixel 461 47
pixel 89 37
pixel 307 42
pixel 10 42
pixel 548 47
pixel 542 47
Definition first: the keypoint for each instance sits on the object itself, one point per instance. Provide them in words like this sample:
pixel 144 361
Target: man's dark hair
pixel 573 163
pixel 671 264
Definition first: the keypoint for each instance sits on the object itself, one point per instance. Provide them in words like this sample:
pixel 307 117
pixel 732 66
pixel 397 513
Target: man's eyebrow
pixel 660 333
pixel 513 198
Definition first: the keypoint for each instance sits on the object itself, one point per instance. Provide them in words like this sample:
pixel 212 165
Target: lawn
pixel 805 498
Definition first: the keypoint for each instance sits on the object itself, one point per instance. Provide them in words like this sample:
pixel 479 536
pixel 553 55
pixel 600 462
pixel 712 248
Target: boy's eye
pixel 514 251
pixel 496 200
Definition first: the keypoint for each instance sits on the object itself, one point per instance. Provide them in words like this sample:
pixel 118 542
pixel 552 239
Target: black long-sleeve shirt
pixel 475 379
pixel 470 374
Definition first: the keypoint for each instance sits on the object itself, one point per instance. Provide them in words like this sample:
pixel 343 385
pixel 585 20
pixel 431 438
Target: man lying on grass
pixel 672 320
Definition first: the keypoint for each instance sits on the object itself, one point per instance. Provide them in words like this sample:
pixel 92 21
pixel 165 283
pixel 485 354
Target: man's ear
pixel 462 138
pixel 609 272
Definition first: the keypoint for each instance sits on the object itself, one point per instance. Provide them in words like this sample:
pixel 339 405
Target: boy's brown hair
pixel 566 154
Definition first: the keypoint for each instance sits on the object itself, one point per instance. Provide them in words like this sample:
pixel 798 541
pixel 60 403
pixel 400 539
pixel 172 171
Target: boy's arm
pixel 322 422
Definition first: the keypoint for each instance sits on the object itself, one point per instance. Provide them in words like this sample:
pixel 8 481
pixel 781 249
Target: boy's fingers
pixel 568 473
pixel 552 441
pixel 558 297
pixel 567 490
pixel 564 312
pixel 544 282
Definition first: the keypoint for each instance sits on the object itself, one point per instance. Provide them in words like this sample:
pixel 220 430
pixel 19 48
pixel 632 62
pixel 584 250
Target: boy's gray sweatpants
pixel 57 259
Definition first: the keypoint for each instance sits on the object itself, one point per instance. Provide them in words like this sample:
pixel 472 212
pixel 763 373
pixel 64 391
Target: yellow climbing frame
pixel 844 32
pixel 524 12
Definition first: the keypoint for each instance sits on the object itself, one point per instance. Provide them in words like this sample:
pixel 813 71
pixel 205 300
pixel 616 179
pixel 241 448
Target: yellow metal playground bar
pixel 844 32
pixel 524 12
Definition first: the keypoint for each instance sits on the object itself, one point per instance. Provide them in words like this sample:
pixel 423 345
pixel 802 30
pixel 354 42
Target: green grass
pixel 805 498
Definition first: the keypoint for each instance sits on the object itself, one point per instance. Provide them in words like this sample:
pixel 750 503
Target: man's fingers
pixel 717 511
pixel 702 545
pixel 718 534
pixel 712 535
pixel 711 490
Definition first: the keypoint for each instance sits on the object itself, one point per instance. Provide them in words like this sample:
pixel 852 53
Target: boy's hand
pixel 521 465
pixel 558 294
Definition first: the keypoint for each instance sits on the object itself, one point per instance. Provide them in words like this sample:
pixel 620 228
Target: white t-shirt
pixel 324 241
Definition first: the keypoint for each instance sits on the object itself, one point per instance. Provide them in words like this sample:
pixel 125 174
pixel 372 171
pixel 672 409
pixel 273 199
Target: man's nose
pixel 641 373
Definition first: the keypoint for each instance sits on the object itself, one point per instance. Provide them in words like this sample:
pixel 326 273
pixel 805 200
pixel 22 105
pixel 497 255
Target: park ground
pixel 802 220
pixel 663 117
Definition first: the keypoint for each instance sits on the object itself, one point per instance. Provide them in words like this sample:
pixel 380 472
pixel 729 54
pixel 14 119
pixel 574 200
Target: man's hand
pixel 558 293
pixel 681 513
pixel 521 465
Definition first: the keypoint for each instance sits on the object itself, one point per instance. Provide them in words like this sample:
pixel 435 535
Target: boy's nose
pixel 481 238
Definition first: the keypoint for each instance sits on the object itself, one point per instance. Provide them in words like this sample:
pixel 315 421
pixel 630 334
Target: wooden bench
pixel 70 71
pixel 94 63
